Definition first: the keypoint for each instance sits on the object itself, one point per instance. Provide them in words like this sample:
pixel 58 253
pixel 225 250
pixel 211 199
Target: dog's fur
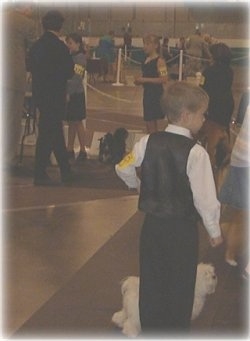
pixel 215 139
pixel 128 318
pixel 112 147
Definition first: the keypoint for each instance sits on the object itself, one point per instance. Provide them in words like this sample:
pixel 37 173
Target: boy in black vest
pixel 176 186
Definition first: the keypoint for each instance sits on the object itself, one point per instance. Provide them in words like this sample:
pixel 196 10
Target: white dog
pixel 128 318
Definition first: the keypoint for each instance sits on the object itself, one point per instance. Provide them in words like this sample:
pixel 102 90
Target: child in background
pixel 154 75
pixel 76 108
pixel 176 185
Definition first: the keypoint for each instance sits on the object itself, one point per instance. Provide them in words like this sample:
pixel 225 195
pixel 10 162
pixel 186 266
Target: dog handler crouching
pixel 176 187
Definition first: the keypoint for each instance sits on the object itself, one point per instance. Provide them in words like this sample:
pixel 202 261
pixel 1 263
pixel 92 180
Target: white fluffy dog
pixel 128 318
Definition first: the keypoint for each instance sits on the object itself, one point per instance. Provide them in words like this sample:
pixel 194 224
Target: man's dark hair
pixel 53 20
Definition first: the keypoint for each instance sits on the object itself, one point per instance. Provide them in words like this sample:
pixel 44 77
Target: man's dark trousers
pixel 50 139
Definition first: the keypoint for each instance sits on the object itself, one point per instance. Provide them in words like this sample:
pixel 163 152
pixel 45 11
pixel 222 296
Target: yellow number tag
pixel 129 159
pixel 163 71
pixel 79 69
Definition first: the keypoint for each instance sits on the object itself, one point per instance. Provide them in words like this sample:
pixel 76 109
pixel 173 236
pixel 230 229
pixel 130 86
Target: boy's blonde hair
pixel 181 96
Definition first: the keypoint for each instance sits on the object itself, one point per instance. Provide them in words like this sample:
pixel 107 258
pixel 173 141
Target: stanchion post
pixel 180 65
pixel 125 52
pixel 117 83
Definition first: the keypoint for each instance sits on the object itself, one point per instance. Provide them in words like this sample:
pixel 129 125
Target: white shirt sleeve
pixel 201 179
pixel 126 169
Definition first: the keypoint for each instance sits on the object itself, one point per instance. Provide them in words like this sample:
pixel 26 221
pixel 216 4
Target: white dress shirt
pixel 199 172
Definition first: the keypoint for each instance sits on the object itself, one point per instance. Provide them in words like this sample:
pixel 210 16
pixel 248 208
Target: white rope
pixel 207 59
pixel 170 60
pixel 197 58
pixel 239 58
pixel 133 60
pixel 139 63
pixel 109 96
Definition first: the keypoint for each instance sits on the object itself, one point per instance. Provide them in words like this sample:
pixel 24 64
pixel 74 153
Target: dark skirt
pixel 151 106
pixel 234 191
pixel 76 108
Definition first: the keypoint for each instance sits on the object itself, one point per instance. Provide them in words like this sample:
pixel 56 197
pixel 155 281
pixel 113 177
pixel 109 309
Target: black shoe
pixel 45 181
pixel 82 156
pixel 71 156
pixel 68 178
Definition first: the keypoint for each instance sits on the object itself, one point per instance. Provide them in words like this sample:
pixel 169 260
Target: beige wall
pixel 219 20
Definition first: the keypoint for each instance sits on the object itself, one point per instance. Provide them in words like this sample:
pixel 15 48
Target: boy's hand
pixel 216 241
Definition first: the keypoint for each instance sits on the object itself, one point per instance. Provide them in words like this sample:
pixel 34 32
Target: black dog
pixel 112 148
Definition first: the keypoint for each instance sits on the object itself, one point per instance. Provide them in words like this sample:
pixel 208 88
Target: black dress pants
pixel 50 139
pixel 168 262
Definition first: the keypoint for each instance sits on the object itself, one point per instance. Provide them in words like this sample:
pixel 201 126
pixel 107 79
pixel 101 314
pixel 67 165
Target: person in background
pixel 165 49
pixel 127 40
pixel 176 185
pixel 154 75
pixel 76 107
pixel 217 82
pixel 235 188
pixel 20 33
pixel 196 49
pixel 51 67
pixel 106 51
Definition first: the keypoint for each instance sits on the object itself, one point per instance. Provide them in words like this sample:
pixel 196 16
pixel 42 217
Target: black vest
pixel 165 188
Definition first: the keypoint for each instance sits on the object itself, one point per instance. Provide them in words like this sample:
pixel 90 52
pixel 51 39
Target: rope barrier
pixel 139 63
pixel 119 61
pixel 133 60
pixel 207 59
pixel 170 60
pixel 197 58
pixel 109 96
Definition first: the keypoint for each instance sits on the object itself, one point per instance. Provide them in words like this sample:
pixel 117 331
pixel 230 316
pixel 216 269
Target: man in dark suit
pixel 51 67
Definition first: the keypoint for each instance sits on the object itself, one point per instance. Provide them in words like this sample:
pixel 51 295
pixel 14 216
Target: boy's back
pixel 165 188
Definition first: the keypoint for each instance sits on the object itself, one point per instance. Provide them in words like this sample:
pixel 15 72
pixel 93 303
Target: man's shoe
pixel 68 178
pixel 45 181
pixel 71 156
pixel 82 156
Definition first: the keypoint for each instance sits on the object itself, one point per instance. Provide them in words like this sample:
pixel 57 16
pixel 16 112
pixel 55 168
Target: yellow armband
pixel 128 160
pixel 202 80
pixel 79 70
pixel 163 71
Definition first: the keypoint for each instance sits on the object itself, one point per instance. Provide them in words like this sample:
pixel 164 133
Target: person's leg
pixel 183 241
pixel 151 290
pixel 168 261
pixel 13 107
pixel 59 148
pixel 71 136
pixel 43 145
pixel 81 135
